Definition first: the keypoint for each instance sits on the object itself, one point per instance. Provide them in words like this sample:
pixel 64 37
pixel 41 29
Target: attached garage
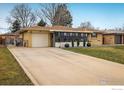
pixel 40 40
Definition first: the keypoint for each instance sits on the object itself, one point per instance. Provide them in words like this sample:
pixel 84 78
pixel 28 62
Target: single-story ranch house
pixel 59 36
pixel 8 38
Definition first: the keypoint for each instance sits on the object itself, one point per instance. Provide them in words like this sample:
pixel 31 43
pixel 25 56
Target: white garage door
pixel 39 40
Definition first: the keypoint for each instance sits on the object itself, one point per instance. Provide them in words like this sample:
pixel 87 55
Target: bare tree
pixel 24 14
pixel 47 12
pixel 122 27
pixel 87 25
pixel 9 20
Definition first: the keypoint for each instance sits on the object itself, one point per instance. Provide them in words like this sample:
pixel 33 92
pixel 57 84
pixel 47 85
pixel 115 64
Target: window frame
pixel 94 34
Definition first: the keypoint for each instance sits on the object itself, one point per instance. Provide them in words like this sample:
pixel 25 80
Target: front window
pixel 65 34
pixel 73 34
pixel 70 34
pixel 58 33
pixel 94 34
pixel 81 34
pixel 76 34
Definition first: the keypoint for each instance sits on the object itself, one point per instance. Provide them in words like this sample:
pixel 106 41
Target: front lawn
pixel 10 71
pixel 114 53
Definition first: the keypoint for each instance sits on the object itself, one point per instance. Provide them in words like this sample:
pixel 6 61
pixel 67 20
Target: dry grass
pixel 115 53
pixel 10 71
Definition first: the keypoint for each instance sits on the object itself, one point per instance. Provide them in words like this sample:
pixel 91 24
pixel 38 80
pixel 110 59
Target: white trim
pixel 72 31
pixel 62 44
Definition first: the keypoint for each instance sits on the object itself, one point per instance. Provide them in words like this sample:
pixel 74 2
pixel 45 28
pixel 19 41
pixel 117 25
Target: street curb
pixel 34 81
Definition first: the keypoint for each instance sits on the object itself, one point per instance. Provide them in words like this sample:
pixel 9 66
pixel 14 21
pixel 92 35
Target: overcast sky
pixel 100 15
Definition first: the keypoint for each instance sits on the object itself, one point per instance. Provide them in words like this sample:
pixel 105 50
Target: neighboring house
pixel 9 39
pixel 58 36
pixel 113 37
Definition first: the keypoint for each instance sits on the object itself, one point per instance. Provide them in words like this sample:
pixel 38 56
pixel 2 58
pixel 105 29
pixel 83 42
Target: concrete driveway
pixel 54 66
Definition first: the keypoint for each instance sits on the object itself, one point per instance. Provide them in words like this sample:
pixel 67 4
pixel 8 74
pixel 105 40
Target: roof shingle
pixel 57 28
